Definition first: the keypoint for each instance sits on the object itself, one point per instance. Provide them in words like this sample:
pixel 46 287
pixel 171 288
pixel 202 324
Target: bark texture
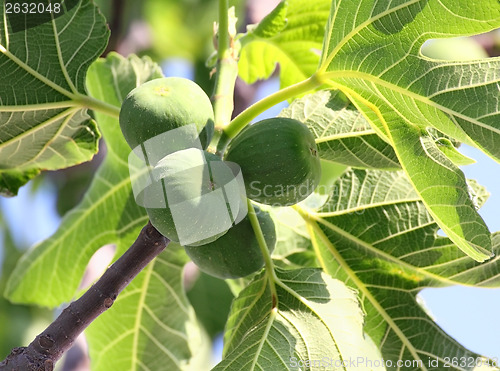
pixel 50 345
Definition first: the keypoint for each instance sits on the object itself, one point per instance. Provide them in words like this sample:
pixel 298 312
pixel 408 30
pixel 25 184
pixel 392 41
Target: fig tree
pixel 163 104
pixel 278 159
pixel 237 253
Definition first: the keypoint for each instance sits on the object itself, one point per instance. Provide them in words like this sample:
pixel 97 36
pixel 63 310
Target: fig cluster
pixel 277 157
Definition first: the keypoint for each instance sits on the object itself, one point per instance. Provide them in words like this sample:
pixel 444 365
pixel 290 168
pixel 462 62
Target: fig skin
pixel 183 177
pixel 237 253
pixel 163 104
pixel 279 161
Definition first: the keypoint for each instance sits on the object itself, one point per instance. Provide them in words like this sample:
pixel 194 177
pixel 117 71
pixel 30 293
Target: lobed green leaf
pixel 317 322
pixel 372 52
pixel 293 246
pixel 295 47
pixel 376 235
pixel 151 325
pixel 108 210
pixel 43 119
pixel 342 134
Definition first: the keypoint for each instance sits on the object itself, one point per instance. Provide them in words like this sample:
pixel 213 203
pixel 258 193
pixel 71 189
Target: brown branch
pixel 115 25
pixel 49 346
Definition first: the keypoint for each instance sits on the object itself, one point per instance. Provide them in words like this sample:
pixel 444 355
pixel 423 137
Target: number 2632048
pixel 32 8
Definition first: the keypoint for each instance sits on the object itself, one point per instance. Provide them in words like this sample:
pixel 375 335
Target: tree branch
pixel 50 345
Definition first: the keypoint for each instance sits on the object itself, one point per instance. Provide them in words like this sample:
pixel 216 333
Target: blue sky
pixel 470 315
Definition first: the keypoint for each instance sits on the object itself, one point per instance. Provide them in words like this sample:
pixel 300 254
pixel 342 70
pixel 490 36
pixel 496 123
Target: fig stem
pixel 244 118
pixel 271 274
pixel 223 37
pixel 226 68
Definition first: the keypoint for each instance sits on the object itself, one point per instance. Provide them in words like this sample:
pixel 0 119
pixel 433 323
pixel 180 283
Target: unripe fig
pixel 161 105
pixel 186 201
pixel 278 159
pixel 237 253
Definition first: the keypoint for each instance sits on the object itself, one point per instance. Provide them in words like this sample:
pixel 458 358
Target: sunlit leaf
pixel 293 246
pixel 109 213
pixel 151 325
pixel 372 52
pixel 376 235
pixel 295 47
pixel 44 61
pixel 273 23
pixel 342 134
pixel 317 320
pixel 108 210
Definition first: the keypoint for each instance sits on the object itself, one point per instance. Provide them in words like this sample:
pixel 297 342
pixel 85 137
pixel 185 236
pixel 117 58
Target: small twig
pixel 50 345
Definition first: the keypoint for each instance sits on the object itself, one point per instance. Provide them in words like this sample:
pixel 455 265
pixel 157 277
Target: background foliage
pixel 375 237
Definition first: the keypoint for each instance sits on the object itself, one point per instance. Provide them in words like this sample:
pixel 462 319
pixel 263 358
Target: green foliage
pixel 151 324
pixel 349 260
pixel 108 208
pixel 342 134
pixel 182 28
pixel 211 299
pixel 42 109
pixel 407 93
pixel 272 24
pixel 16 321
pixel 110 212
pixel 310 321
pixel 389 252
pixel 142 319
pixel 295 46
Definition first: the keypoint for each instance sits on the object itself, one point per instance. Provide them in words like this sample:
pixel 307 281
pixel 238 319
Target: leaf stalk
pixel 244 118
pixel 98 105
pixel 226 68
